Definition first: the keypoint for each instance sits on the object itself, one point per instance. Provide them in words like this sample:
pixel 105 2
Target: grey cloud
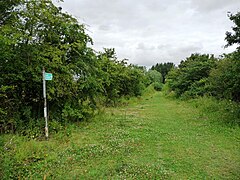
pixel 104 27
pixel 212 5
pixel 142 46
pixel 191 48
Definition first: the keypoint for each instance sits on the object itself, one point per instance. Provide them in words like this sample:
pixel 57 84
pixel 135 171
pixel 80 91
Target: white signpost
pixel 48 77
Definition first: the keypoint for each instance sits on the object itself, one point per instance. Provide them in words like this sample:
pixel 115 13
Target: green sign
pixel 48 76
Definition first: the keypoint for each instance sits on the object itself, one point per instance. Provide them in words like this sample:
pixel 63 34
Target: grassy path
pixel 154 138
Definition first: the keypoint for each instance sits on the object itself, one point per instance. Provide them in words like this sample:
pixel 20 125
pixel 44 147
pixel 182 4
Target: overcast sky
pixel 153 31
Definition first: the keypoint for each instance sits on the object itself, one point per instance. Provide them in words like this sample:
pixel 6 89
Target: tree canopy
pixel 163 68
pixel 234 36
pixel 191 74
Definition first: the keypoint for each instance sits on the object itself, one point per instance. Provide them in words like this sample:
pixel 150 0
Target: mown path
pixel 151 138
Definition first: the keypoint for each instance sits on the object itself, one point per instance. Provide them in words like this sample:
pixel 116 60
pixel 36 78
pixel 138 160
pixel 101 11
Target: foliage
pixel 155 79
pixel 163 68
pixel 119 79
pixel 224 80
pixel 190 75
pixel 43 36
pixel 234 37
pixel 219 111
pixel 157 86
pixel 153 76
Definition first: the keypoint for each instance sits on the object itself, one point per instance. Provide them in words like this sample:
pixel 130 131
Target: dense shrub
pixel 118 79
pixel 190 76
pixel 220 111
pixel 153 76
pixel 224 80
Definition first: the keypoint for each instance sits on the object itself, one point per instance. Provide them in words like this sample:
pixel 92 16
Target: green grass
pixel 151 138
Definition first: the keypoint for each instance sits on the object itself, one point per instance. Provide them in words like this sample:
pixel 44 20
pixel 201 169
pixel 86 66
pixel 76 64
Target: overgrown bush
pixel 190 75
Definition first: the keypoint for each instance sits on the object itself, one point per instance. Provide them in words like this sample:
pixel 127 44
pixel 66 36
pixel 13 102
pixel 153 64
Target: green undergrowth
pixel 150 137
pixel 225 112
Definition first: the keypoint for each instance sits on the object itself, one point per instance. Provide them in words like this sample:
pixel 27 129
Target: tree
pixel 118 78
pixel 190 76
pixel 6 9
pixel 224 80
pixel 36 34
pixel 163 68
pixel 234 37
pixel 155 78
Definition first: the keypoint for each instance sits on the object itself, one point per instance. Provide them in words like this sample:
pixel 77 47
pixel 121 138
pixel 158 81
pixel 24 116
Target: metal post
pixel 45 104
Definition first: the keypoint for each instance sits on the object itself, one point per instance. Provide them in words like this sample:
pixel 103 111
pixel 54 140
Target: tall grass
pixel 220 111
